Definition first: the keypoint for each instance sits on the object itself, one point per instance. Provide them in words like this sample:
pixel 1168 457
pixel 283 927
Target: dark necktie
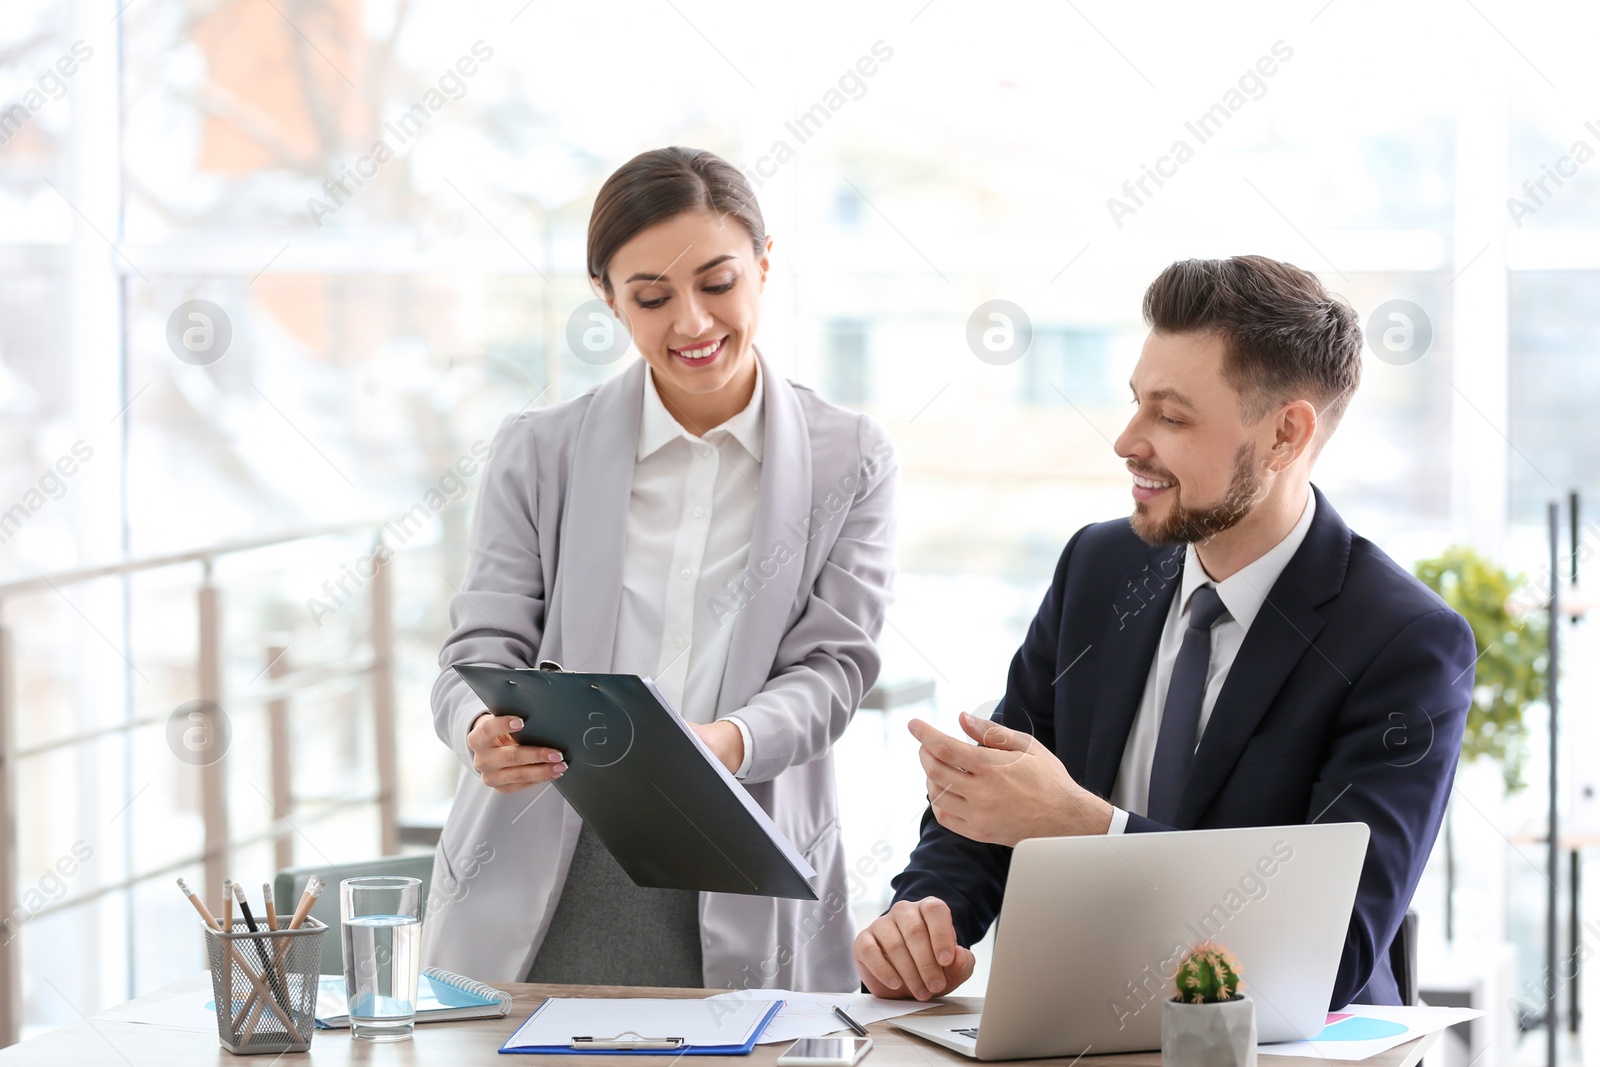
pixel 1180 718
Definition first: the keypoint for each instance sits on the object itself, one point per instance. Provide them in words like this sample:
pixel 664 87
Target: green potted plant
pixel 1208 1022
pixel 1508 676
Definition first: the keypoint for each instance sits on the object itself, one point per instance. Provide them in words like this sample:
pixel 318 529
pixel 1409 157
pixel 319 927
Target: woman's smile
pixel 701 353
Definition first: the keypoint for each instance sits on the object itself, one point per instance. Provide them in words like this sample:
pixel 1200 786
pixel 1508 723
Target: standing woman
pixel 697 519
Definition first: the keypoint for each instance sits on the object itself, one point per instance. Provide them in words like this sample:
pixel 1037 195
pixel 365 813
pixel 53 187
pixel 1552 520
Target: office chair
pixel 1403 957
pixel 289 884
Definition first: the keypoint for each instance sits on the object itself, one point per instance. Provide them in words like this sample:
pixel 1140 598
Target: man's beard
pixel 1186 525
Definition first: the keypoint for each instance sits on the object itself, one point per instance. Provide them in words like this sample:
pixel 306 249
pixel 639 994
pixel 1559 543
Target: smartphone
pixel 825 1052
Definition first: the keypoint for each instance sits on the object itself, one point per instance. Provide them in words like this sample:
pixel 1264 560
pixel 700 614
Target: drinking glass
pixel 380 920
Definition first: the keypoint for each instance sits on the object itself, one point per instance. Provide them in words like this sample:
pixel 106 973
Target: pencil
pixel 261 950
pixel 278 949
pixel 199 905
pixel 272 919
pixel 308 898
pixel 244 908
pixel 227 943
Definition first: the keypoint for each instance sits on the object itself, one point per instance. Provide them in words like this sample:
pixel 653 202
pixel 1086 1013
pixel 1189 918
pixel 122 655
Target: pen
pixel 851 1023
pixel 308 898
pixel 199 905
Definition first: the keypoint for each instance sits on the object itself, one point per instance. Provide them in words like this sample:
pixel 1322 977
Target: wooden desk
pixel 91 1041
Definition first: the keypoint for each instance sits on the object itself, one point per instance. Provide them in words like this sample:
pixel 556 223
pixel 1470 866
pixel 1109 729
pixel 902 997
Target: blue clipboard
pixel 631 1042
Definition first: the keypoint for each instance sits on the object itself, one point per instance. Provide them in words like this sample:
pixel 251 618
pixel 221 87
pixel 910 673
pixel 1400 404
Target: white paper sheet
pixel 811 1014
pixel 194 1011
pixel 1364 1030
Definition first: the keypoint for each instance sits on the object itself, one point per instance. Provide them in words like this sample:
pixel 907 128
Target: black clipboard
pixel 659 801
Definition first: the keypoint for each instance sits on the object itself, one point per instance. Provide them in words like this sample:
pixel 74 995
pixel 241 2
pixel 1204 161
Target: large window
pixel 382 207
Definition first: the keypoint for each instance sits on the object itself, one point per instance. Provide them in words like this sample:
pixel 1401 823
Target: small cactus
pixel 1207 975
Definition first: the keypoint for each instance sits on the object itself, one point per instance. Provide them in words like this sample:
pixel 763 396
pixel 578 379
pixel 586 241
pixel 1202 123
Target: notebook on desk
pixel 441 997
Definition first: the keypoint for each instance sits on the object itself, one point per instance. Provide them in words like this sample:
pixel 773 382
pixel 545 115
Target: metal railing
pixel 219 842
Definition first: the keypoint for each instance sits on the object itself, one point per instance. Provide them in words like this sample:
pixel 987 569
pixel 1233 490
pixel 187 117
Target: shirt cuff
pixel 749 749
pixel 1119 822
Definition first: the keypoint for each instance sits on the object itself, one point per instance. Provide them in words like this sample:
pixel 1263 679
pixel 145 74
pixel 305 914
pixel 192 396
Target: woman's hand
pixel 504 765
pixel 725 741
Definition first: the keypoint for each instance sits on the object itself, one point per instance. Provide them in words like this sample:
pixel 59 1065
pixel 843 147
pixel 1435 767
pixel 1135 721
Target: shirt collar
pixel 1244 592
pixel 658 427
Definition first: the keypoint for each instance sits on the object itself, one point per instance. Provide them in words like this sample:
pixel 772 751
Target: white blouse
pixel 690 518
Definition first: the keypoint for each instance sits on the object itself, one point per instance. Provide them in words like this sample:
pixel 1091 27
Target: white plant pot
pixel 1209 1035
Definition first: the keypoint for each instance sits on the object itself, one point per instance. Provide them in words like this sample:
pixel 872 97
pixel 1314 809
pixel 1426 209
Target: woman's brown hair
pixel 660 184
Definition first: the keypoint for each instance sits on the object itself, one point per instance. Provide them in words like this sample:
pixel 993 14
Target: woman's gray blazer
pixel 544 581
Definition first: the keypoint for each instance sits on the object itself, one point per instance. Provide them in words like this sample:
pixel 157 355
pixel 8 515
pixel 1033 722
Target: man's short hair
pixel 1285 337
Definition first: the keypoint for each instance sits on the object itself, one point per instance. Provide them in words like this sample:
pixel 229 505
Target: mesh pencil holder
pixel 265 985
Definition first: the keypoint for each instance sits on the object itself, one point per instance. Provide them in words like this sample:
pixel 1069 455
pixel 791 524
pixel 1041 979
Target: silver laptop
pixel 1091 929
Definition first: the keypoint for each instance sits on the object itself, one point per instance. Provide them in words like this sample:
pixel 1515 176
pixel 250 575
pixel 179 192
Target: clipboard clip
pixel 550 665
pixel 628 1039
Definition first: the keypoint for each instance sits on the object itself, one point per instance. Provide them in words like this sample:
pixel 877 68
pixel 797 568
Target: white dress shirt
pixel 690 518
pixel 1243 594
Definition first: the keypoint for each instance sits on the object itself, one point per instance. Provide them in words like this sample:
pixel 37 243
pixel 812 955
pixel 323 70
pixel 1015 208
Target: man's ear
pixel 1294 431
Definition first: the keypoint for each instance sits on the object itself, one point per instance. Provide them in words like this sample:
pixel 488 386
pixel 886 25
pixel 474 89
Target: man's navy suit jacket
pixel 1346 703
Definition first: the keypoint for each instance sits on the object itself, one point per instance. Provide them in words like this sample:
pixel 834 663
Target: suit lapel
pixel 783 510
pixel 1144 598
pixel 1280 637
pixel 594 528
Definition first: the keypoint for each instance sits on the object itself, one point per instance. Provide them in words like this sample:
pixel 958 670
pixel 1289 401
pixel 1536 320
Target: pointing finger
pixel 941 746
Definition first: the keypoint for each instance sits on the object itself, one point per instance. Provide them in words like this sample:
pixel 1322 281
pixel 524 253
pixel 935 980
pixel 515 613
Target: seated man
pixel 1233 655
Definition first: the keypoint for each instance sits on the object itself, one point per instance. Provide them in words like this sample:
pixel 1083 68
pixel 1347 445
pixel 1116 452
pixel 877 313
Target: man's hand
pixel 912 952
pixel 504 765
pixel 725 741
pixel 1006 788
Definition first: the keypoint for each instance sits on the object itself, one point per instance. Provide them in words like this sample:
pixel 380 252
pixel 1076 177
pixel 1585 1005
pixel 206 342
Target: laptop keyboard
pixel 970 1031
